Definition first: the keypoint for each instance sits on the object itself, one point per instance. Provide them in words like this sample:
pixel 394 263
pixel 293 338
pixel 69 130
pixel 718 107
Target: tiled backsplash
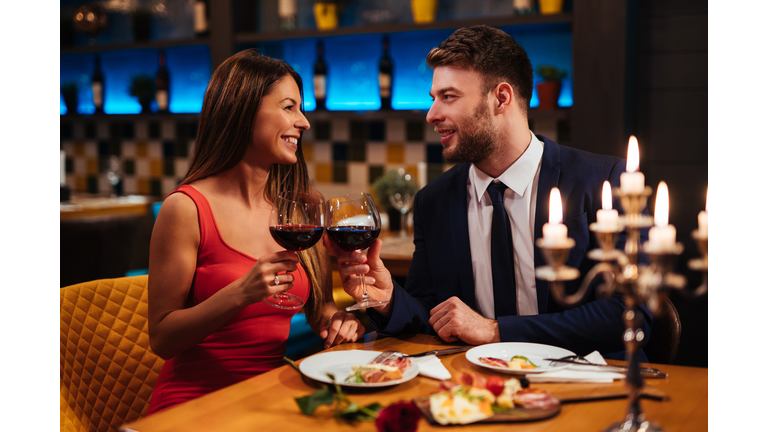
pixel 344 153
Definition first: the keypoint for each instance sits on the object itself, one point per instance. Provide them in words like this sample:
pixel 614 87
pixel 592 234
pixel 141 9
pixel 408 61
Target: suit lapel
pixel 548 179
pixel 457 212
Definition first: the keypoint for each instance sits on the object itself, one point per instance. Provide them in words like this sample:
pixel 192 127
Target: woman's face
pixel 279 123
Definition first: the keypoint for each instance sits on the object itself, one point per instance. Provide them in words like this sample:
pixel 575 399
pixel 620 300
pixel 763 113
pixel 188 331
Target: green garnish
pixel 357 377
pixel 524 358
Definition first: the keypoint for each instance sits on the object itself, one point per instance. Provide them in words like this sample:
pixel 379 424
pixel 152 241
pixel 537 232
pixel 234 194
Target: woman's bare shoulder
pixel 178 213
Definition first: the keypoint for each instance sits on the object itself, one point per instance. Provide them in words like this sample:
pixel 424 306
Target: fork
pixel 386 355
pixel 576 359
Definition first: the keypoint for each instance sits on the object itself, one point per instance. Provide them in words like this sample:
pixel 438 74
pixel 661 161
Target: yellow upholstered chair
pixel 107 369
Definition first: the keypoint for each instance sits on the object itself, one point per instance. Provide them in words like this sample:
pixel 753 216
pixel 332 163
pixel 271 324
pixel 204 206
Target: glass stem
pixel 365 289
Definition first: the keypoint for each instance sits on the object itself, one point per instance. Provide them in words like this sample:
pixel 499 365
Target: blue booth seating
pixel 301 336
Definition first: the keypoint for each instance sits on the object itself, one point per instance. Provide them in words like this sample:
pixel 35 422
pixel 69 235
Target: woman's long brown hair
pixel 225 129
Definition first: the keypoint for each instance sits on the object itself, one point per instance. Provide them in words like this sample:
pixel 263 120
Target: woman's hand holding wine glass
pixel 296 224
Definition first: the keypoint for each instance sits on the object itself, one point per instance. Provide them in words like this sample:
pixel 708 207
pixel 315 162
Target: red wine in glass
pixel 296 237
pixel 352 222
pixel 350 238
pixel 296 224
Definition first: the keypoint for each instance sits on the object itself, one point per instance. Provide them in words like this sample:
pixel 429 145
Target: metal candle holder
pixel 640 284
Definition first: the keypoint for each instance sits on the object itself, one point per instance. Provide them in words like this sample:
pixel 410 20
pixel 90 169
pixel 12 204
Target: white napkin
pixel 431 367
pixel 578 373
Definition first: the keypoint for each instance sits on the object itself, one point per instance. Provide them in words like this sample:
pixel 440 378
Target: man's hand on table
pixel 453 320
pixel 377 277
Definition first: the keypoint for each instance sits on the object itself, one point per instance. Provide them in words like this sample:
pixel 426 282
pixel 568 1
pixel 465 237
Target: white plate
pixel 536 353
pixel 339 363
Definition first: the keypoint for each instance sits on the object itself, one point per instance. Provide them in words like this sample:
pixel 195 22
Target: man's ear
pixel 504 97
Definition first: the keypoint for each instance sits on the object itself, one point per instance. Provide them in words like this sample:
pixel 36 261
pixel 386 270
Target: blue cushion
pixel 301 335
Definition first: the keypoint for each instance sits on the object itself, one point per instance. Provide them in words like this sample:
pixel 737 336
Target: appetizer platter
pixel 517 357
pixel 355 368
pixel 475 399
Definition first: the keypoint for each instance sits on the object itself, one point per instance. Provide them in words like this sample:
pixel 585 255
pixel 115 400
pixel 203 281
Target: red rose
pixel 398 417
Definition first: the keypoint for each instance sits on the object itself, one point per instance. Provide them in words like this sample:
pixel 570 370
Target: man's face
pixel 461 115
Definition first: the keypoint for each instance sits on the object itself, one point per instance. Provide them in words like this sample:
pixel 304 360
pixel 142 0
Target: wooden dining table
pixel 267 402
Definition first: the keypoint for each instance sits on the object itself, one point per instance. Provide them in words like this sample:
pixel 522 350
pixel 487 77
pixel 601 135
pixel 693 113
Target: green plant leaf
pixel 308 404
pixel 292 363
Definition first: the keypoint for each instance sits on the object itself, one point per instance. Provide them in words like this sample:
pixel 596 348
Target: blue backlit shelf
pixel 352 55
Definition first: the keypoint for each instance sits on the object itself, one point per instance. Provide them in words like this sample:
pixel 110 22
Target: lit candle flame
pixel 555 207
pixel 661 216
pixel 607 197
pixel 633 155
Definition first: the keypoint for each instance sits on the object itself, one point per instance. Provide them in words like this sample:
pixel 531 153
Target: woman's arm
pixel 174 325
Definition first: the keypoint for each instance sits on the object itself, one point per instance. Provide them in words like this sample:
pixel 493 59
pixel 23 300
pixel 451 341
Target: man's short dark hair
pixel 493 53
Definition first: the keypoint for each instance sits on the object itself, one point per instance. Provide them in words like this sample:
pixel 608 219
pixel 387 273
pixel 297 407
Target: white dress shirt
pixel 522 180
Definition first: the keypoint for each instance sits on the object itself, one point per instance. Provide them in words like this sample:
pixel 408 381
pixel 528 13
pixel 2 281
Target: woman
pixel 212 258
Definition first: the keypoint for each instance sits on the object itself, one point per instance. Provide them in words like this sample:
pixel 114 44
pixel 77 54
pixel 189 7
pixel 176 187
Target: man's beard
pixel 477 140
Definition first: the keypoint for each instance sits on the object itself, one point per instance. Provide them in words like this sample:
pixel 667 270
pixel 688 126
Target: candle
pixel 607 218
pixel 662 236
pixel 632 181
pixel 555 233
pixel 704 219
pixel 63 173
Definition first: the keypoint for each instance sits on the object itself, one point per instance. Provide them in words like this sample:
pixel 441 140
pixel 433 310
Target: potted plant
pixel 69 93
pixel 141 18
pixel 400 186
pixel 142 87
pixel 549 86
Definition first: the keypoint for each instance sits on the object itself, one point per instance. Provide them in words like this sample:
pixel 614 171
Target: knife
pixel 646 372
pixel 440 352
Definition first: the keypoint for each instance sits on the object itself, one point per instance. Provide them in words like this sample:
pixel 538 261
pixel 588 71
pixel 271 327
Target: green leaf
pixel 308 404
pixel 292 363
pixel 354 412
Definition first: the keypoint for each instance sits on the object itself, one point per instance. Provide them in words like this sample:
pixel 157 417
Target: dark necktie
pixel 502 261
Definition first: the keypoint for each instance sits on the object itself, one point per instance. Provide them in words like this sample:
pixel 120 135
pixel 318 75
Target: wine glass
pixel 296 223
pixel 402 203
pixel 352 222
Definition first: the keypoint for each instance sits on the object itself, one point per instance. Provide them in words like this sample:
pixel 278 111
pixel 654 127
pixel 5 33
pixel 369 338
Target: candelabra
pixel 641 284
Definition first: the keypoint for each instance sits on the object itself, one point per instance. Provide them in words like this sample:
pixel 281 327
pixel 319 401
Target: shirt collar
pixel 517 177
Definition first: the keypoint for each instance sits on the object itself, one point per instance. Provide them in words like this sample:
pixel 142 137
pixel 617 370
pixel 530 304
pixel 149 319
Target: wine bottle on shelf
pixel 162 85
pixel 286 9
pixel 320 78
pixel 97 85
pixel 385 77
pixel 201 18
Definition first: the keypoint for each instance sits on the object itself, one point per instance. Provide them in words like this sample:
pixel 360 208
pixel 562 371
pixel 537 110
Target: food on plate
pixel 534 398
pixel 461 405
pixel 516 362
pixel 506 399
pixel 390 370
pixel 475 398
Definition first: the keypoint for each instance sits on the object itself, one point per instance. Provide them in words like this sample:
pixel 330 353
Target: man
pixel 464 282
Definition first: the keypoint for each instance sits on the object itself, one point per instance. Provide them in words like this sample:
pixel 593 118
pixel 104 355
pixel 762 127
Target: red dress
pixel 251 343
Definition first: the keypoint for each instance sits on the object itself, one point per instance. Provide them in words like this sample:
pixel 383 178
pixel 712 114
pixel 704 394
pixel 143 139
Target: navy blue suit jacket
pixel 442 265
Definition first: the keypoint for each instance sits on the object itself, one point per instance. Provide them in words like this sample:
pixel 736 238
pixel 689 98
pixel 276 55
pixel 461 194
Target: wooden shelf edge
pixel 533 114
pixel 515 20
pixel 149 116
pixel 169 43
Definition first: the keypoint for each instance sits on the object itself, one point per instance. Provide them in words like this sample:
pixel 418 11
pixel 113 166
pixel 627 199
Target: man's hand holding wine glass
pixel 355 263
